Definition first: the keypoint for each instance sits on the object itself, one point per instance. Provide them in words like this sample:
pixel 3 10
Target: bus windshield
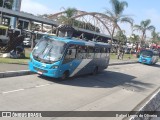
pixel 48 51
pixel 145 53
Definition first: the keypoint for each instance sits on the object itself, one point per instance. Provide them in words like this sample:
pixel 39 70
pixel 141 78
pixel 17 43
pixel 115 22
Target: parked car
pixel 4 35
pixel 27 42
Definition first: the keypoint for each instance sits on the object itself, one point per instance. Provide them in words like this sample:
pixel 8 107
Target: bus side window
pixel 81 52
pixel 90 52
pixel 71 53
pixel 97 53
pixel 103 52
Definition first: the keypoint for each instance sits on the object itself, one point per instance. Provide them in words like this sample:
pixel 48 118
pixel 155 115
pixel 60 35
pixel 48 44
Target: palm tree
pixel 143 27
pixel 155 37
pixel 134 38
pixel 67 18
pixel 116 14
pixel 121 37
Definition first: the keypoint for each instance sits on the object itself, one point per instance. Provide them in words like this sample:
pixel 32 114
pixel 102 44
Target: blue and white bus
pixel 148 56
pixel 61 57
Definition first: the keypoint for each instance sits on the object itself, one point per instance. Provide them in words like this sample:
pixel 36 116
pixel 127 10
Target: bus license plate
pixel 39 72
pixel 144 60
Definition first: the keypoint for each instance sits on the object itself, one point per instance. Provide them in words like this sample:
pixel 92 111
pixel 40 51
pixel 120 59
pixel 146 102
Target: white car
pixel 3 34
pixel 27 42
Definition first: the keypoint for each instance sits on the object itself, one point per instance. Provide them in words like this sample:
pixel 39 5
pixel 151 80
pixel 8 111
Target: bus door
pixel 81 57
pixel 70 63
pixel 91 60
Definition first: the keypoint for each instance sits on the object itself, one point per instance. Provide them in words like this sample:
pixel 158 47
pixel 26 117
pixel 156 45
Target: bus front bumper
pixel 42 71
pixel 145 61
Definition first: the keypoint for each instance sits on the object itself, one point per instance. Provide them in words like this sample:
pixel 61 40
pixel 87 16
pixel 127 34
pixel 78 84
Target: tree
pixel 7 3
pixel 134 38
pixel 67 17
pixel 116 14
pixel 143 27
pixel 155 37
pixel 121 37
pixel 43 15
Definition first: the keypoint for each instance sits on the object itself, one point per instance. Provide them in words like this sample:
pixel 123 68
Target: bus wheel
pixel 65 75
pixel 95 71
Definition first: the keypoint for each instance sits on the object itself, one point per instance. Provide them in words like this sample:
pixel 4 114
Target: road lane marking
pixel 12 91
pixel 42 85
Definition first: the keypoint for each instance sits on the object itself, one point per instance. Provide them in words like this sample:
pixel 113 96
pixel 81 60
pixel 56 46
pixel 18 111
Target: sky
pixel 137 9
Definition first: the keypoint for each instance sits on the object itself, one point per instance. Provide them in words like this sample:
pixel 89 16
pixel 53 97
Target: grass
pixel 17 61
pixel 113 56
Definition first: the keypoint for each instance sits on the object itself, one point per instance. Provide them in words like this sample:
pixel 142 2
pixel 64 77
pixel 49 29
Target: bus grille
pixel 40 70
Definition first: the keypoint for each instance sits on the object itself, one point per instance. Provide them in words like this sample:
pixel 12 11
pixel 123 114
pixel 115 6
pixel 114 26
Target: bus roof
pixel 79 41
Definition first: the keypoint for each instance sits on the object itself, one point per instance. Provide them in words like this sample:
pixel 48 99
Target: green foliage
pixel 155 37
pixel 143 27
pixel 66 18
pixel 116 14
pixel 70 12
pixel 121 37
pixel 118 7
pixel 134 38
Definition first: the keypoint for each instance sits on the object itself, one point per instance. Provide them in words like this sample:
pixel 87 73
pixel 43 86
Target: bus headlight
pixel 55 67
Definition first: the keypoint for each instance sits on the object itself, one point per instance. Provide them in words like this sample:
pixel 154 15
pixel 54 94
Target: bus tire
pixel 95 71
pixel 65 75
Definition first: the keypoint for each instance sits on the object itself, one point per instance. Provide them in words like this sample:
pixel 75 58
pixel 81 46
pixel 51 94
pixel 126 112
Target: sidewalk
pixel 120 62
pixel 11 70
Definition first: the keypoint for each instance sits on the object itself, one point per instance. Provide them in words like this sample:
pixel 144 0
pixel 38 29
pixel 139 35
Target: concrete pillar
pixel 1 21
pixel 17 21
pixel 30 25
pixel 42 27
pixel 52 29
pixel 23 25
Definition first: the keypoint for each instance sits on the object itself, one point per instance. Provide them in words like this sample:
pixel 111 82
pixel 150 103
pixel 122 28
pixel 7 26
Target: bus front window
pixel 145 53
pixel 48 51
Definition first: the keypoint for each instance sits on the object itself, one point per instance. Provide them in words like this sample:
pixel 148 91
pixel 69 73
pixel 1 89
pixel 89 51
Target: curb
pixel 27 72
pixel 123 63
pixel 147 107
pixel 15 73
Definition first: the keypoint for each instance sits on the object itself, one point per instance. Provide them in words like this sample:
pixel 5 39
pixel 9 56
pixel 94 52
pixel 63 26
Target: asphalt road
pixel 119 88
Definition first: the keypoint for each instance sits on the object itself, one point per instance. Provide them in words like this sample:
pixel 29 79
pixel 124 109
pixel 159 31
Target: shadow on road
pixel 155 65
pixel 106 79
